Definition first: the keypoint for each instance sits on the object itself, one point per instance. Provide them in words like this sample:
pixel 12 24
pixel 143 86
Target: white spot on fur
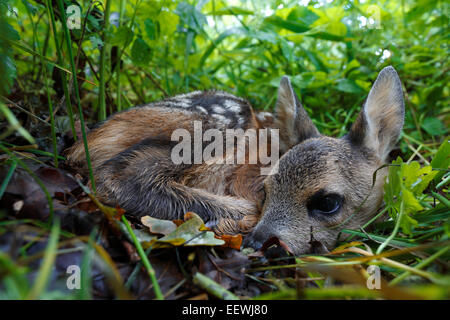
pixel 185 103
pixel 201 109
pixel 232 106
pixel 221 119
pixel 186 95
pixel 225 94
pixel 218 109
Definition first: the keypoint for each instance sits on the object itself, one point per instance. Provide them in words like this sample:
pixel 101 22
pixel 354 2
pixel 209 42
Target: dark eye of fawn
pixel 325 204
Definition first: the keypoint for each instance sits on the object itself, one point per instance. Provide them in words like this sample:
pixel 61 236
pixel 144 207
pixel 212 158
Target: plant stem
pixel 63 74
pixel 52 117
pixel 119 100
pixel 145 261
pixel 77 93
pixel 101 96
pixel 394 232
pixel 420 265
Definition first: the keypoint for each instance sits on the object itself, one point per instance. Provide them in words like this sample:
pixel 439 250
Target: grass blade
pixel 77 93
pixel 47 264
pixel 145 261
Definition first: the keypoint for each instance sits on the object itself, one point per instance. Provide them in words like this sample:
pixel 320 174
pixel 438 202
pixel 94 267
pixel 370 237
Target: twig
pixel 213 287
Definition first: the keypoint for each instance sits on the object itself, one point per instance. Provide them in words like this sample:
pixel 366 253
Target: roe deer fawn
pixel 318 183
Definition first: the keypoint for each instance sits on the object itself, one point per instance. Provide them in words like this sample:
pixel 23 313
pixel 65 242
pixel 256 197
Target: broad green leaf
pixel 434 126
pixel 405 184
pixel 407 224
pixel 122 37
pixel 352 65
pixel 168 22
pixel 316 61
pixel 158 226
pixel 140 52
pixel 410 203
pixel 217 41
pixel 330 18
pixel 301 28
pixel 7 65
pixel 416 178
pixel 441 160
pixel 302 15
pixel 190 17
pixel 348 85
pixel 151 29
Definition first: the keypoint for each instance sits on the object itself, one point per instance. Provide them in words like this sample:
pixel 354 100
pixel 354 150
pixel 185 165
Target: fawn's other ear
pixel 380 122
pixel 291 119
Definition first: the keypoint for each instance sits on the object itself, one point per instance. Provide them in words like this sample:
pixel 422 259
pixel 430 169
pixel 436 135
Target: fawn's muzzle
pixel 259 236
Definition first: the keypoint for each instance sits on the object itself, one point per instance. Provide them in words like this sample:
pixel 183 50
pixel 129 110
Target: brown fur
pixel 131 157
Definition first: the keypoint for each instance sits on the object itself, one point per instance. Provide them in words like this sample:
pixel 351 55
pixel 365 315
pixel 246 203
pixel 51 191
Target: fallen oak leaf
pixel 158 226
pixel 231 241
pixel 192 232
pixel 191 215
pixel 178 222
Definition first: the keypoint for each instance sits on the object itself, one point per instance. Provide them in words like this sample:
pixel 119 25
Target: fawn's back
pixel 131 155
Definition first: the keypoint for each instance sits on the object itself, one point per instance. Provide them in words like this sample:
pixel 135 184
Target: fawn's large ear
pixel 291 118
pixel 380 122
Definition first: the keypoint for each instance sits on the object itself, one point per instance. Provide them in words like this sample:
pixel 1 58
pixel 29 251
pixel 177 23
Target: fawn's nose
pixel 260 235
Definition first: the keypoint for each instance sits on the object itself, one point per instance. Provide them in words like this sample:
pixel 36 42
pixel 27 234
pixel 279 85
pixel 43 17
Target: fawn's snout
pixel 259 236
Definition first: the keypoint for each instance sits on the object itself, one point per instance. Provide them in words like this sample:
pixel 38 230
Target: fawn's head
pixel 324 184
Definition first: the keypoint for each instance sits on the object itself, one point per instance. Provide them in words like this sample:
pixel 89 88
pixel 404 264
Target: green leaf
pixel 410 202
pixel 434 126
pixel 7 65
pixel 230 11
pixel 392 186
pixel 416 178
pixel 122 37
pixel 299 27
pixel 407 224
pixel 405 185
pixel 303 15
pixel 190 17
pixel 217 41
pixel 316 61
pixel 348 85
pixel 140 52
pixel 151 29
pixel 168 22
pixel 441 160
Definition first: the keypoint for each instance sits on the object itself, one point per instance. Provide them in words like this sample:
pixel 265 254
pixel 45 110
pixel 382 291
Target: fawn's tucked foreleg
pixel 144 180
